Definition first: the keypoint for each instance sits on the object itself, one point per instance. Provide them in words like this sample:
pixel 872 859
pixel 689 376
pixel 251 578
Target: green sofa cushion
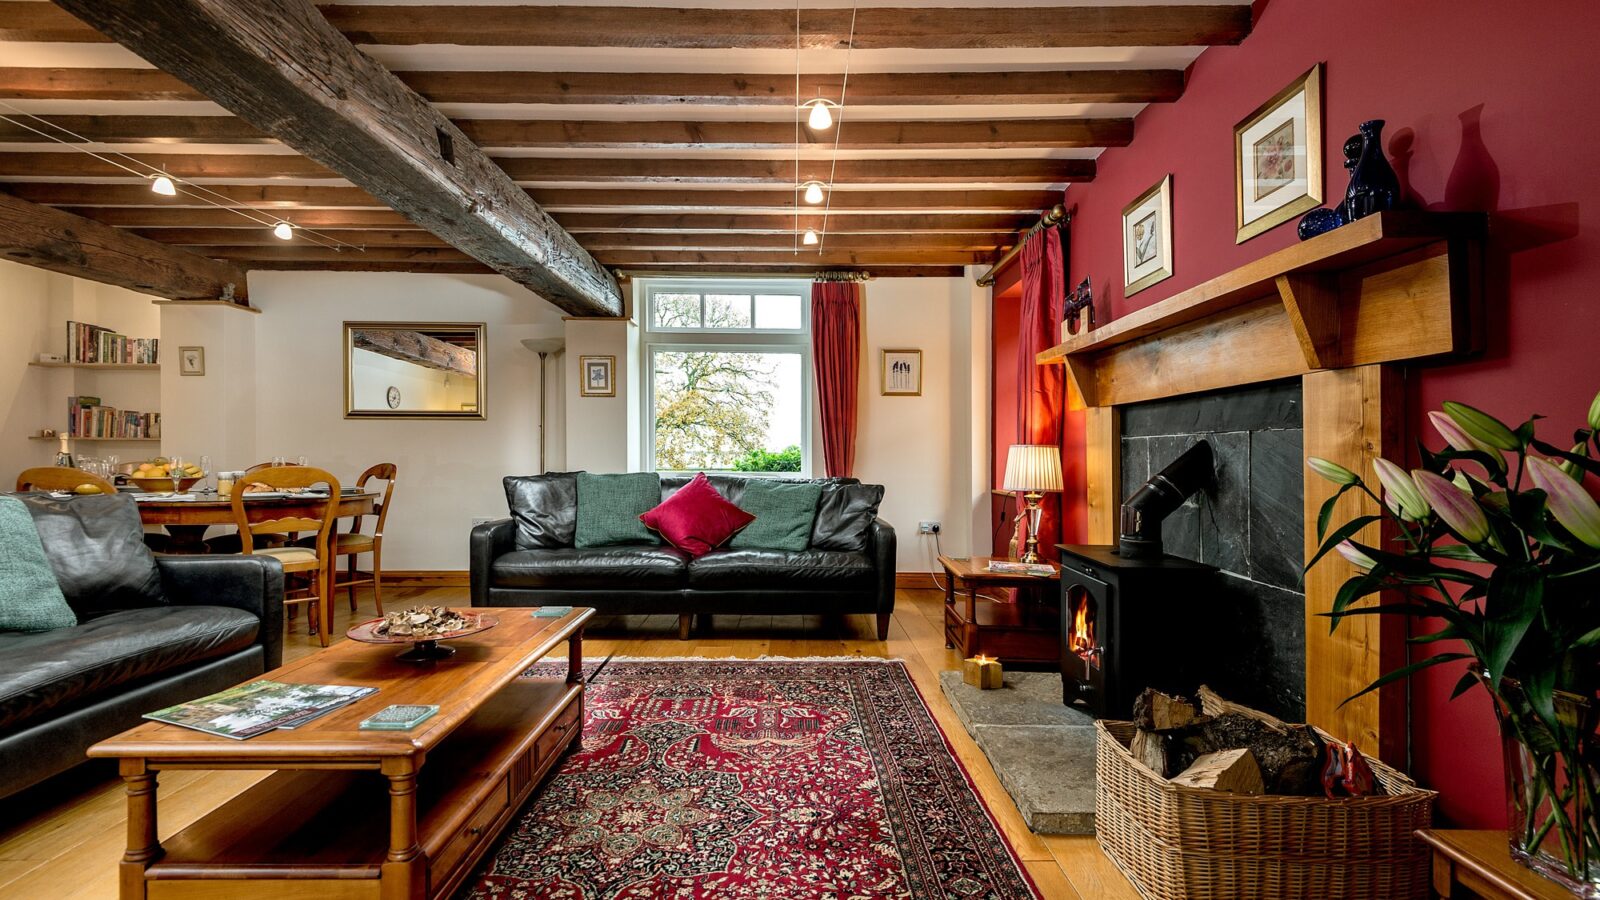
pixel 30 597
pixel 784 512
pixel 609 507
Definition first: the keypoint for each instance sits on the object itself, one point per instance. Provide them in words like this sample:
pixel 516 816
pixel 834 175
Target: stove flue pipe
pixel 1150 505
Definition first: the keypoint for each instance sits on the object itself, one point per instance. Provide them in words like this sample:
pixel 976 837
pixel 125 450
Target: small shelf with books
pixel 57 437
pixel 104 367
pixel 93 345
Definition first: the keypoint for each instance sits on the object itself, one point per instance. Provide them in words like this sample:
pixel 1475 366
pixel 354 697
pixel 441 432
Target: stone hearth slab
pixel 1042 751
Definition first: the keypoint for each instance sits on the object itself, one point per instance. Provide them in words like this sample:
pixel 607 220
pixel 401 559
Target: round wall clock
pixel 393 397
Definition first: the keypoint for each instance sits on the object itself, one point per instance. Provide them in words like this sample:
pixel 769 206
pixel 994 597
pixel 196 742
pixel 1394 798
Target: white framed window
pixel 727 374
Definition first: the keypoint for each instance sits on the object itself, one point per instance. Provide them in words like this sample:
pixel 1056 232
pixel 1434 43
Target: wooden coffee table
pixel 364 814
pixel 1027 631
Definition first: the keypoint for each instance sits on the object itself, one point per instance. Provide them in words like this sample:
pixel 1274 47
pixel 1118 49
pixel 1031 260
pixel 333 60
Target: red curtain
pixel 836 355
pixel 1041 390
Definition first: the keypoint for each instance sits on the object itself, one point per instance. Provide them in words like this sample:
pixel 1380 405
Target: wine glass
pixel 176 472
pixel 205 472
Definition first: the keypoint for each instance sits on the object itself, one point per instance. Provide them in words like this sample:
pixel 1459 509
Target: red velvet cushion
pixel 696 519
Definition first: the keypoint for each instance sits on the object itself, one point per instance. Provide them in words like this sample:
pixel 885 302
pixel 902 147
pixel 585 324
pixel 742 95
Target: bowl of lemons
pixel 157 475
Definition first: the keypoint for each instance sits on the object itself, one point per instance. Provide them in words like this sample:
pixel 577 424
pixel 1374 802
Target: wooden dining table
pixel 186 521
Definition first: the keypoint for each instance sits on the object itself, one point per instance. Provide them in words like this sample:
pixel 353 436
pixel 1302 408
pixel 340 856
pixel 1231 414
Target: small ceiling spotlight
pixel 163 185
pixel 283 231
pixel 810 239
pixel 813 192
pixel 821 116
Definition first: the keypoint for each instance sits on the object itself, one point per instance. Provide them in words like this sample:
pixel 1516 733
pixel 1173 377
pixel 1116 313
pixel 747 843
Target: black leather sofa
pixel 529 560
pixel 220 622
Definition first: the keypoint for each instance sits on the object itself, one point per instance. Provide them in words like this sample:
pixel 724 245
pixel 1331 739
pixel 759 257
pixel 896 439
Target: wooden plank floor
pixel 63 842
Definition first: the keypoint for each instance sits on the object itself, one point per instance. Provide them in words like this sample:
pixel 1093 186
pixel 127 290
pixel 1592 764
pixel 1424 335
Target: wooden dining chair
pixel 60 478
pixel 256 520
pixel 353 543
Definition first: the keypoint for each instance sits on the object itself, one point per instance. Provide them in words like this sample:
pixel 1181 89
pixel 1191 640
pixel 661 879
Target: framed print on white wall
pixel 902 373
pixel 1147 238
pixel 599 374
pixel 1277 157
pixel 191 360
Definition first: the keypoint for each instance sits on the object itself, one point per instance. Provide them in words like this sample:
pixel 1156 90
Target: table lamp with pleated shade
pixel 1033 469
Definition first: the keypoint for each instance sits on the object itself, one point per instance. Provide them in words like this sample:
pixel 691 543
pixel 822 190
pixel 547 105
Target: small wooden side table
pixel 1027 631
pixel 1479 864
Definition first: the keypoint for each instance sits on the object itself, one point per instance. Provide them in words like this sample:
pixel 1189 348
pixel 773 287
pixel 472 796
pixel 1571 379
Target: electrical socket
pixel 927 528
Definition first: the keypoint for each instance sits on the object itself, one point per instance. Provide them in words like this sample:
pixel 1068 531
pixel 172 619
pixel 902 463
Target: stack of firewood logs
pixel 1225 746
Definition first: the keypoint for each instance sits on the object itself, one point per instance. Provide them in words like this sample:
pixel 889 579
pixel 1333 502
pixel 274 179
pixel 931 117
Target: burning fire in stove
pixel 1081 641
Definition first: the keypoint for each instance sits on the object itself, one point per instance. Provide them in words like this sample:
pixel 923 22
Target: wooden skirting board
pixel 1339 311
pixel 426 578
pixel 915 581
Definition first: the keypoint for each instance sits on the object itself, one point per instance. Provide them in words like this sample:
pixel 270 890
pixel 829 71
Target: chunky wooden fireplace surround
pixel 1342 311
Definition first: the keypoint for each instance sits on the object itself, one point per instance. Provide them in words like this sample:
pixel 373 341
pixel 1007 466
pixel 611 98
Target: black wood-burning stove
pixel 1133 617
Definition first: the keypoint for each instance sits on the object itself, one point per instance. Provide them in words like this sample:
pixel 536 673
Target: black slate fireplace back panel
pixel 1250 526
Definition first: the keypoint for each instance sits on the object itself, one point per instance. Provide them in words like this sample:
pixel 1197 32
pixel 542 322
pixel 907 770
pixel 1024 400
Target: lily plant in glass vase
pixel 1498 541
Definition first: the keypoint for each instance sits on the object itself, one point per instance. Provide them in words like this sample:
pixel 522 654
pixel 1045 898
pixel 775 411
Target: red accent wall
pixel 1490 107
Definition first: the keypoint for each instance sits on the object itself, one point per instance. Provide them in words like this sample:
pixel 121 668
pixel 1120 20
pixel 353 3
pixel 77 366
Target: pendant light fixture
pixel 820 117
pixel 283 231
pixel 810 240
pixel 163 185
pixel 813 192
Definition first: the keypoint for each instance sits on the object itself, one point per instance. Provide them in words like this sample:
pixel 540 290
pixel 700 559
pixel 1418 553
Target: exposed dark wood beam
pixel 61 242
pixel 876 28
pixel 592 241
pixel 580 223
pixel 305 252
pixel 664 88
pixel 557 133
pixel 639 271
pixel 279 65
pixel 418 349
pixel 640 170
pixel 288 197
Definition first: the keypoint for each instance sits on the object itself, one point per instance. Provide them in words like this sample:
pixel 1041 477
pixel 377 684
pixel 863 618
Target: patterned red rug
pixel 766 780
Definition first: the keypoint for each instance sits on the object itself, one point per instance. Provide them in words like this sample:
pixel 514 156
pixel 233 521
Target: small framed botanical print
pixel 902 373
pixel 599 374
pixel 191 360
pixel 1147 238
pixel 1277 157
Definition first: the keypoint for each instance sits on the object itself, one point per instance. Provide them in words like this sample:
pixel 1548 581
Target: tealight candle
pixel 982 672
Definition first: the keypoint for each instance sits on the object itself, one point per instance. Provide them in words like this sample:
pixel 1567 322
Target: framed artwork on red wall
pixel 1277 157
pixel 1147 238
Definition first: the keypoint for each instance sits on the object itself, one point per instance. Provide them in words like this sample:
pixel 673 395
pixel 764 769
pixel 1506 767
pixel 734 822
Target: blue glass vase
pixel 1374 187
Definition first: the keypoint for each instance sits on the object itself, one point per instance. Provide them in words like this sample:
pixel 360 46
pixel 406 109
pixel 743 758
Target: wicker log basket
pixel 1182 843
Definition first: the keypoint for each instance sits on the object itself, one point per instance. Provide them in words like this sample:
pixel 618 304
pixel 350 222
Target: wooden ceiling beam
pixel 875 28
pixel 279 65
pixel 662 88
pixel 306 252
pixel 666 240
pixel 61 242
pixel 417 348
pixel 1067 133
pixel 640 170
pixel 286 197
pixel 799 271
pixel 579 223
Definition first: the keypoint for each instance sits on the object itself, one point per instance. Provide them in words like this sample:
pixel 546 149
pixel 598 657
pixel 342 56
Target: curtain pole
pixel 1057 215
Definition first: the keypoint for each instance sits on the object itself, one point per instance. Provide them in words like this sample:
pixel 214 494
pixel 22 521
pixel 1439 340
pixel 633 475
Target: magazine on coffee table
pixel 259 707
pixel 1038 570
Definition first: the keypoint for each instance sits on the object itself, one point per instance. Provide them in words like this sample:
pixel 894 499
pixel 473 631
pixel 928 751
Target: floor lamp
pixel 1033 469
pixel 544 347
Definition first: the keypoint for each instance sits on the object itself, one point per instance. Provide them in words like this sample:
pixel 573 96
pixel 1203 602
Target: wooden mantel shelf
pixel 1392 286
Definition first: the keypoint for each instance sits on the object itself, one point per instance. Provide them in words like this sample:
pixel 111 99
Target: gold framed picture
pixel 598 376
pixel 1277 157
pixel 191 360
pixel 415 370
pixel 902 373
pixel 1147 238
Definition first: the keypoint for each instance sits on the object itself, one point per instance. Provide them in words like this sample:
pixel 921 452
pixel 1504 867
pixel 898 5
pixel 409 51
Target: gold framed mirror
pixel 414 370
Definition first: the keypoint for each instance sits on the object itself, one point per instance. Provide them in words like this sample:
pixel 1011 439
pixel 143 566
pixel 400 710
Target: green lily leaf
pixel 1341 534
pixel 1592 466
pixel 1406 672
pixel 1515 593
pixel 1459 552
pixel 1465 684
pixel 1326 512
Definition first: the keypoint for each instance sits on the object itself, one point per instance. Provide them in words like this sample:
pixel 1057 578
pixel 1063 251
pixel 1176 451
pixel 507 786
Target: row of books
pixel 92 344
pixel 86 417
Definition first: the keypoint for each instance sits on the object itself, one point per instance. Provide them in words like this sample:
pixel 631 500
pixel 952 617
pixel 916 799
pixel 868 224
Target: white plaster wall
pixel 921 448
pixel 449 471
